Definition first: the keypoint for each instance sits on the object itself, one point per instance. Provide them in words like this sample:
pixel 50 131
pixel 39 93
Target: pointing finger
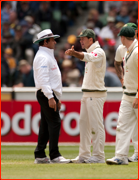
pixel 72 47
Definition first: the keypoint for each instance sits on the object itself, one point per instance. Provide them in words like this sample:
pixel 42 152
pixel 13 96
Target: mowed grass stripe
pixel 17 163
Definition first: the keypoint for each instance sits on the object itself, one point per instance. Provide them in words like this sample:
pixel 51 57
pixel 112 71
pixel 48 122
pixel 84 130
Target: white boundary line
pixel 60 144
pixel 34 144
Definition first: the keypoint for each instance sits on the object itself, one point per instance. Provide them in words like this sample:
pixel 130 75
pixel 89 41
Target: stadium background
pixel 21 21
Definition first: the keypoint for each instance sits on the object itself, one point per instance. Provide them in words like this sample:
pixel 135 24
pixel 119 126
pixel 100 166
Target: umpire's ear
pixel 45 42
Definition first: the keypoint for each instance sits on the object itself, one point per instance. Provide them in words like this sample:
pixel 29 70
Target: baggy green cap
pixel 134 26
pixel 87 33
pixel 127 31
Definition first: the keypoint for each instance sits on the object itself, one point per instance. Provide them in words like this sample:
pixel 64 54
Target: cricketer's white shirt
pixel 47 75
pixel 120 53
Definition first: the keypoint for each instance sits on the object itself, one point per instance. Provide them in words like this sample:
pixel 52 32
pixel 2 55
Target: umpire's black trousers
pixel 49 128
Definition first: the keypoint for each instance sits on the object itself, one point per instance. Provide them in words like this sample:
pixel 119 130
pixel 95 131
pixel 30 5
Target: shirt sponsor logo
pixel 43 66
pixel 95 54
pixel 123 61
pixel 54 67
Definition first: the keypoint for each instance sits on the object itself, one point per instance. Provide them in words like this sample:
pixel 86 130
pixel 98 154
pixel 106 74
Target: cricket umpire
pixel 94 95
pixel 48 82
pixel 128 113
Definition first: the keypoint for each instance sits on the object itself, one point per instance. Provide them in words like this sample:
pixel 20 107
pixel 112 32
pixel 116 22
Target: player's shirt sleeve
pixel 120 52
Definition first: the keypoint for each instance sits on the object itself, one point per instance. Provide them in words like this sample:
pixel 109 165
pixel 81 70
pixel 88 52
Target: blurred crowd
pixel 22 20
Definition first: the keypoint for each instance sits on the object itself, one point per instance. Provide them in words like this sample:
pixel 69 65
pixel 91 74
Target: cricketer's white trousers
pixel 127 128
pixel 91 127
pixel 135 137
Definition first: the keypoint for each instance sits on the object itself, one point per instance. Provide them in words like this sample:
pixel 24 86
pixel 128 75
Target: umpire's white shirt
pixel 47 75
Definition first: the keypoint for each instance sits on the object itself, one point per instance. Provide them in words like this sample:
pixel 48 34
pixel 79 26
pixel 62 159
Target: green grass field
pixel 17 162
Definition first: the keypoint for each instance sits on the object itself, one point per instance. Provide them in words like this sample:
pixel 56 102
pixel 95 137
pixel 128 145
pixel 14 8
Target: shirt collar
pixel 93 46
pixel 134 44
pixel 50 51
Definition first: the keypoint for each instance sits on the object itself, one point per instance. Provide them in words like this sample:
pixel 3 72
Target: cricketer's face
pixel 85 42
pixel 122 40
pixel 136 34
